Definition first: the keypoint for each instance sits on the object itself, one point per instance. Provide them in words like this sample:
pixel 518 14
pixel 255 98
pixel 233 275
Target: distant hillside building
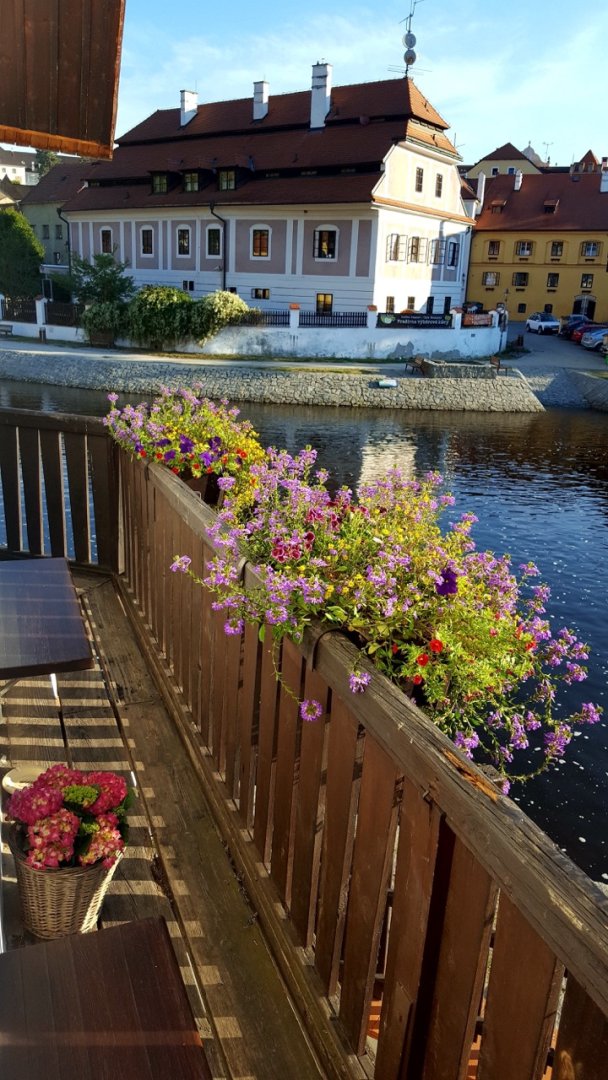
pixel 334 198
pixel 541 241
pixel 18 166
pixel 41 206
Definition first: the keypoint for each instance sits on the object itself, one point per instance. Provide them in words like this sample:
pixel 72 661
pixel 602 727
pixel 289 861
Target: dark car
pixel 572 323
pixel 583 328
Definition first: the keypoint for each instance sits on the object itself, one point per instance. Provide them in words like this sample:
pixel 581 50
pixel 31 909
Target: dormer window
pixel 498 205
pixel 191 181
pixel 226 180
pixel 160 183
pixel 551 205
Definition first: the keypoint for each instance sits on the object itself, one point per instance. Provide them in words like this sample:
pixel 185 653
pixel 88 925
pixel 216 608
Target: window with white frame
pixel 396 247
pixel 523 249
pixel 106 241
pixel 226 180
pixel 490 278
pixel 552 281
pixel 146 242
pixel 260 242
pixel 417 249
pixel 411 303
pixel 160 183
pixel 453 253
pixel 436 251
pixel 587 281
pixel 190 181
pixel 493 248
pixel 260 294
pixel 325 242
pixel 390 303
pixel 557 249
pixel 520 280
pixel 590 249
pixel 214 241
pixel 183 240
pixel 438 185
pixel 325 303
pixel 419 179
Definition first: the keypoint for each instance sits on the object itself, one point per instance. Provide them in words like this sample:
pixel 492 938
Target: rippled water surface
pixel 539 486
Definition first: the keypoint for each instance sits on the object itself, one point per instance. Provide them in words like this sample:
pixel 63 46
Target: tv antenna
pixel 409 39
pixel 546 146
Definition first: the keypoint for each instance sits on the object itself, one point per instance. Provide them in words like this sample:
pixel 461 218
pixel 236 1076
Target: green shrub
pixel 215 311
pixel 160 315
pixel 106 316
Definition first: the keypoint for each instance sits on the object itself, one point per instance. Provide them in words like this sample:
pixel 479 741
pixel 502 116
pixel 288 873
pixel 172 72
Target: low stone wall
pixel 438 370
pixel 282 387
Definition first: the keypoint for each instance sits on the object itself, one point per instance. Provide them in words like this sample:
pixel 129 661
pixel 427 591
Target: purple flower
pixel 448 583
pixel 186 445
pixel 310 709
pixel 358 681
pixel 181 563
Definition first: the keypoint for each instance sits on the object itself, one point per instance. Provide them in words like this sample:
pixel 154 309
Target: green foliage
pixel 45 160
pixel 215 311
pixel 103 280
pixel 105 316
pixel 160 316
pixel 20 256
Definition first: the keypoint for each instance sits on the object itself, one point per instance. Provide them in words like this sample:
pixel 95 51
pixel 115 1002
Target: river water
pixel 538 484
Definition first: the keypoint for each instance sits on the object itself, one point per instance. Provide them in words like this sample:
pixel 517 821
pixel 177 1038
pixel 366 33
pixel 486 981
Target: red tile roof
pixel 580 204
pixel 59 184
pixel 507 152
pixel 389 97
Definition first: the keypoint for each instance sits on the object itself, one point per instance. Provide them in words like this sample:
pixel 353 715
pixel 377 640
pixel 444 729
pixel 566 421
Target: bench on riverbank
pixel 6 329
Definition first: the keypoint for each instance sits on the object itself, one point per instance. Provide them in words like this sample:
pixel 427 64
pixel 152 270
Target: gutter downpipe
pixel 224 253
pixel 68 244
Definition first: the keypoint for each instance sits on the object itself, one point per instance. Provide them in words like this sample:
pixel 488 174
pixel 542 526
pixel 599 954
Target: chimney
pixel 260 100
pixel 320 94
pixel 519 176
pixel 188 105
pixel 604 176
pixel 481 190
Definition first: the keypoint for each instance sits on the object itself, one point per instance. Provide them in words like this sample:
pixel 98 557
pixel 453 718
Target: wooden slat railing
pixel 59 480
pixel 367 842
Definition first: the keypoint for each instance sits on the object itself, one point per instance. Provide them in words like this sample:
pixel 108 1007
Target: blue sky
pixel 530 70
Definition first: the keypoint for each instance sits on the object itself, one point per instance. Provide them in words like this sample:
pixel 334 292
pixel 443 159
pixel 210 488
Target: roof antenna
pixel 409 40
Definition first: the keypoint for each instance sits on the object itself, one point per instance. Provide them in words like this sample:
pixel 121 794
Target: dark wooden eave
pixel 59 68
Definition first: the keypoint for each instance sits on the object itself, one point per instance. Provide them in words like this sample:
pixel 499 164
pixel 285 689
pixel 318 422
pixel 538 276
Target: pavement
pixel 545 362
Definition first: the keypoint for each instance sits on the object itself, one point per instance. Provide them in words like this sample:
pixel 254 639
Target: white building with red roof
pixel 335 198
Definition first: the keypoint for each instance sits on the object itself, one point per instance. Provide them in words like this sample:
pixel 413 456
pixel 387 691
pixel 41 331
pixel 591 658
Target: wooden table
pixel 109 1005
pixel 41 625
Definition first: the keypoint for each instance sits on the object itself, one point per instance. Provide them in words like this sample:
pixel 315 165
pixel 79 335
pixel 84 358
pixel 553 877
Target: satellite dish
pixel 409 40
pixel 410 57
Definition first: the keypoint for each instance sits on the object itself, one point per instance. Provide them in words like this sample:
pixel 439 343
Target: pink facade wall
pixel 245 263
pixel 338 267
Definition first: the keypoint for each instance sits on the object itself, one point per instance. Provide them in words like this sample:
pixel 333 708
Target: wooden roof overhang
pixel 59 68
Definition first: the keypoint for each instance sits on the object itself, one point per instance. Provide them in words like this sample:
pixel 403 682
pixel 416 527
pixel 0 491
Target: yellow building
pixel 506 159
pixel 540 242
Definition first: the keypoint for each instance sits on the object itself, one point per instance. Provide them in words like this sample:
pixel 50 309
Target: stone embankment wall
pixel 593 390
pixel 506 393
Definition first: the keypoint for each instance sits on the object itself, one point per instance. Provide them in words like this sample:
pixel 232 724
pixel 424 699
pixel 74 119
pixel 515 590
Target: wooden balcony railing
pixel 388 873
pixel 382 865
pixel 59 482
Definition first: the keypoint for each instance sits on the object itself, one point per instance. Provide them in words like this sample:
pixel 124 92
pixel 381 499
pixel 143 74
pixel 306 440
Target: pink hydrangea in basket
pixel 68 835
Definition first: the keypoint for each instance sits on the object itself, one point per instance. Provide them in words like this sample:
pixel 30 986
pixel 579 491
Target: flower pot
pixel 206 486
pixel 55 903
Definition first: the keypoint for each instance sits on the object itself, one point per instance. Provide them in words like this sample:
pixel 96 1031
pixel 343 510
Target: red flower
pixel 142 453
pixel 435 645
pixel 423 659
pixel 417 680
pixel 175 469
pixel 395 648
pixel 242 454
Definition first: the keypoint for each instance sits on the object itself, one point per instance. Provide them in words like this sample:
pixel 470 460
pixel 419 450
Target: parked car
pixel 571 323
pixel 584 328
pixel 543 323
pixel 594 338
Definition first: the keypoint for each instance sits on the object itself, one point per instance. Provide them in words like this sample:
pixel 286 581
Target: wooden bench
pixel 497 364
pixel 6 329
pixel 414 364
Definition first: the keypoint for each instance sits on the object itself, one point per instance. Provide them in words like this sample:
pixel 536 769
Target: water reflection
pixel 539 486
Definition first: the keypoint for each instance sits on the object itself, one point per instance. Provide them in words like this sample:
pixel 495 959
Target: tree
pixel 21 254
pixel 45 159
pixel 102 281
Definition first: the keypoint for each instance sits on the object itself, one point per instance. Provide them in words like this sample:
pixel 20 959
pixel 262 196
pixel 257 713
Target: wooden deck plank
pixel 245 996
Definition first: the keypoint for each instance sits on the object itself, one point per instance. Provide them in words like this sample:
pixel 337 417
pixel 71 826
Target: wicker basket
pixel 55 903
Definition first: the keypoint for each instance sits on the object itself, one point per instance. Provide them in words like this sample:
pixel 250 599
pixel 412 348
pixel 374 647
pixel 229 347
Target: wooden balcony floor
pixel 112 717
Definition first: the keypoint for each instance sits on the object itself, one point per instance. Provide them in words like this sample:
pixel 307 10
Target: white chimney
pixel 604 175
pixel 188 105
pixel 320 94
pixel 481 190
pixel 260 100
pixel 519 176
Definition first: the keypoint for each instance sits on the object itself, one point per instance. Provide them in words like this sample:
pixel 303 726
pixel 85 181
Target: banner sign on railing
pixel 476 320
pixel 420 321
